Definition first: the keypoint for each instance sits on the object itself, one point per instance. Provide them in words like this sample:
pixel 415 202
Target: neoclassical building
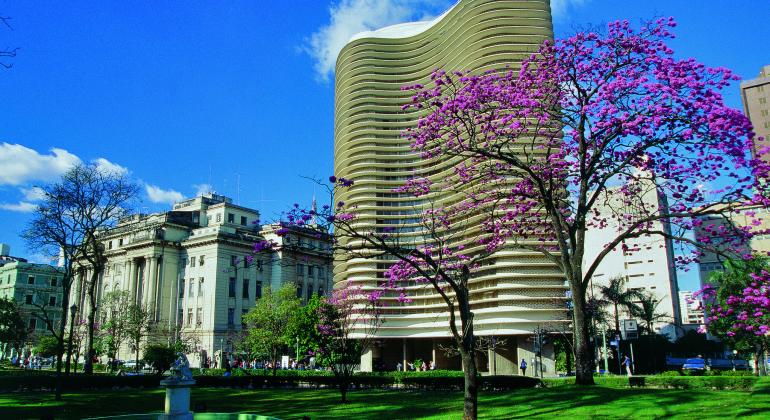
pixel 517 291
pixel 188 267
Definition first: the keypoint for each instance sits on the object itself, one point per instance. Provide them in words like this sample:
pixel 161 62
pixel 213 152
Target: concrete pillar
pixel 403 353
pixel 367 360
pixel 157 292
pixel 149 286
pixel 131 279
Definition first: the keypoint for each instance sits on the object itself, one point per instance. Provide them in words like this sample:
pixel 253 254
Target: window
pixel 54 281
pixel 763 112
pixel 245 294
pixel 243 220
pixel 219 217
pixel 230 316
pixel 231 289
pixel 199 317
pixel 200 261
pixel 31 280
pixel 230 218
pixel 189 317
pixel 310 271
pixel 32 323
pixel 120 242
pixel 200 286
pixel 191 292
pixel 258 291
pixel 181 288
pixel 300 269
pixel 320 272
pixel 299 291
pixel 179 316
pixel 51 300
pixel 28 299
pixel 192 261
pixel 109 245
pixel 233 260
pixel 762 100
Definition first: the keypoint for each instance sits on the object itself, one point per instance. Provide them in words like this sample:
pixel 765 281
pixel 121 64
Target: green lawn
pixel 568 401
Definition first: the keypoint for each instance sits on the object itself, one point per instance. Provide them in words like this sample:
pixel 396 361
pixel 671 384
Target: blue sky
pixel 198 95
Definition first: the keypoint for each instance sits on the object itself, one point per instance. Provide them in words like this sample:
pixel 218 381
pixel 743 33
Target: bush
pixel 670 373
pixel 160 357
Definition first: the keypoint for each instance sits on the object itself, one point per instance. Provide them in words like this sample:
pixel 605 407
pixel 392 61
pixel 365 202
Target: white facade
pixel 692 309
pixel 648 261
pixel 189 267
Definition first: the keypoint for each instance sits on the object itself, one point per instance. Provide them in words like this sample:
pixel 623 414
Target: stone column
pixel 149 286
pixel 131 277
pixel 157 292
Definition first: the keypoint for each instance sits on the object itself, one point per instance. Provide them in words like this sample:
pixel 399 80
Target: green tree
pixel 138 324
pixel 13 332
pixel 731 282
pixel 114 328
pixel 302 330
pixel 268 321
pixel 160 357
pixel 46 346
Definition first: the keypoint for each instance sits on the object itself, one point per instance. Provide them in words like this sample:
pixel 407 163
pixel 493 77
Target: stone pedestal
pixel 177 399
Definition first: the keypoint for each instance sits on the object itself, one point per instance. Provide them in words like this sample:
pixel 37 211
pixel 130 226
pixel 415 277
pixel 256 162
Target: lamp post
pixel 73 312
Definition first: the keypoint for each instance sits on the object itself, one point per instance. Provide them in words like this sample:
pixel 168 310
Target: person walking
pixel 523 367
pixel 627 364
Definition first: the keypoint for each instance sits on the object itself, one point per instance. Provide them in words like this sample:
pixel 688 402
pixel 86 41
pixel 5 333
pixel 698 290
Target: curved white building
pixel 519 290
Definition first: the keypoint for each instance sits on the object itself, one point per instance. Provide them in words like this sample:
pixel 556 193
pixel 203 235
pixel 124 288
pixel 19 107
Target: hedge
pixel 285 379
pixel 666 380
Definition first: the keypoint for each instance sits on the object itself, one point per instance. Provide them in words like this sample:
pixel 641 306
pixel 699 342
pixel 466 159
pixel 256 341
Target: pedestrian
pixel 399 367
pixel 423 367
pixel 523 367
pixel 432 365
pixel 627 364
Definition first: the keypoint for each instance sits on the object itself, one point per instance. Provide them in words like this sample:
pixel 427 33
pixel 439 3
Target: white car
pixel 131 364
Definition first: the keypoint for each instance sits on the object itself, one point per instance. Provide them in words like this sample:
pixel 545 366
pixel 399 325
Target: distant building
pixel 647 262
pixel 759 245
pixel 35 287
pixel 755 94
pixel 189 266
pixel 692 309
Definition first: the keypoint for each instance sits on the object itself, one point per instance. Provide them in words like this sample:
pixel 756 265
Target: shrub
pixel 160 357
pixel 671 373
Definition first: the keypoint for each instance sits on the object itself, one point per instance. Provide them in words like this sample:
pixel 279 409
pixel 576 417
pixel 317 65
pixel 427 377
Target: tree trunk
pixel 584 357
pixel 136 366
pixel 471 398
pixel 343 383
pixel 60 339
pixel 88 365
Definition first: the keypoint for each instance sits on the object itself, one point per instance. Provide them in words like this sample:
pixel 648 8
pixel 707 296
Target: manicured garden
pixel 610 399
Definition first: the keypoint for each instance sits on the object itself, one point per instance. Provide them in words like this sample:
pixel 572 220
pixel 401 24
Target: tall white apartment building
pixel 188 266
pixel 692 309
pixel 518 291
pixel 648 262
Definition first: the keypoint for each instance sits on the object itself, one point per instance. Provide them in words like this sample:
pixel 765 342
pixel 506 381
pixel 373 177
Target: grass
pixel 568 401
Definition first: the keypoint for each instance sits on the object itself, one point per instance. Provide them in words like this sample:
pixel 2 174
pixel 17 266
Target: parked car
pixel 131 364
pixel 696 364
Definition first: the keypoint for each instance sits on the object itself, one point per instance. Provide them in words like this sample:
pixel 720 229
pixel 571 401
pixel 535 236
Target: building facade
pixel 692 309
pixel 37 290
pixel 194 268
pixel 757 218
pixel 646 263
pixel 518 291
pixel 755 94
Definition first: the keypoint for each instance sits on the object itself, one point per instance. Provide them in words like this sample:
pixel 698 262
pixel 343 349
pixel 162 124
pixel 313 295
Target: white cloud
pixel 560 8
pixel 22 165
pixel 348 17
pixel 106 166
pixel 159 195
pixel 33 194
pixel 201 189
pixel 21 207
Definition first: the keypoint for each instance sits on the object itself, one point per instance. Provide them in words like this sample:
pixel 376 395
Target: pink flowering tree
pixel 577 137
pixel 348 320
pixel 737 307
pixel 450 247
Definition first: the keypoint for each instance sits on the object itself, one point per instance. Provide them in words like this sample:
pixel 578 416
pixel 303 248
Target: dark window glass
pixel 231 289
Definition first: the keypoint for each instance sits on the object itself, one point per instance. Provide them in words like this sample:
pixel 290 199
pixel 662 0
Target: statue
pixel 180 369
